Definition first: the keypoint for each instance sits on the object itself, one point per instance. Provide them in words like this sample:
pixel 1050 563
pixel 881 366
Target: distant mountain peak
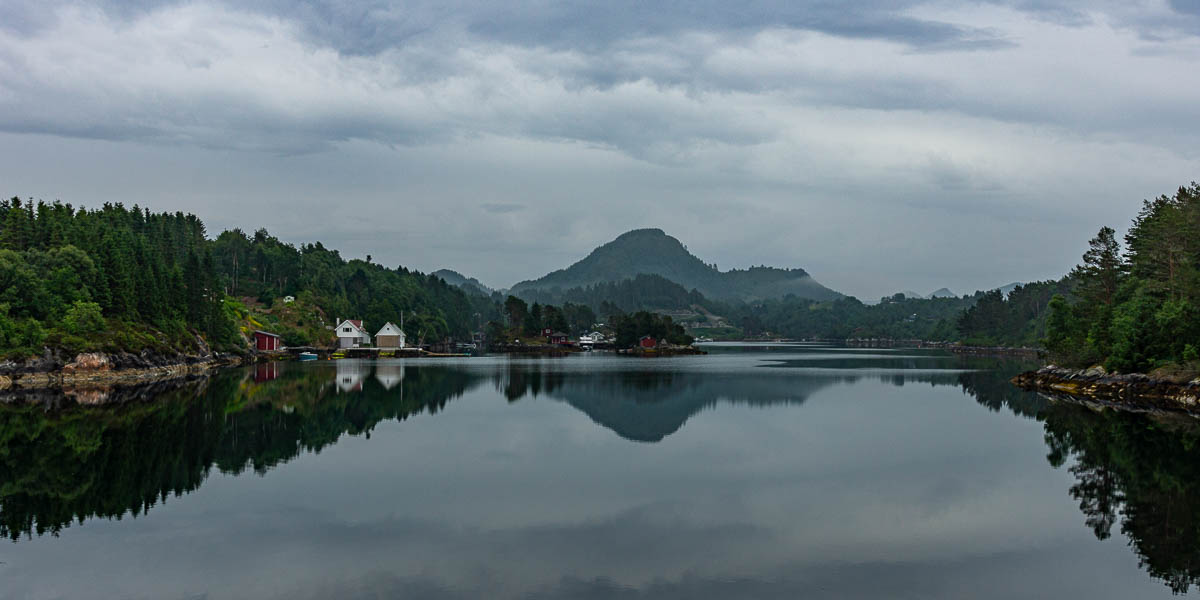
pixel 646 231
pixel 652 251
pixel 943 293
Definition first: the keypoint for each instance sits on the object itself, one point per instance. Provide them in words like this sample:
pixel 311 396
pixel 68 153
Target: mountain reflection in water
pixel 62 463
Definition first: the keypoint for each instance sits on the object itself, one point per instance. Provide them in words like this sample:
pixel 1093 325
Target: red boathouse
pixel 265 341
pixel 648 341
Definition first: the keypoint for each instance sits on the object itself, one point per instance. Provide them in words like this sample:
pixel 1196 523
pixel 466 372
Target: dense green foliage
pixel 521 319
pixel 524 320
pixel 1139 310
pixel 653 252
pixel 125 279
pixel 1018 319
pixel 262 266
pixel 893 318
pixel 112 278
pixel 629 329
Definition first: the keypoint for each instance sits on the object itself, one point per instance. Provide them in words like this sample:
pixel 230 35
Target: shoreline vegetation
pixel 1128 332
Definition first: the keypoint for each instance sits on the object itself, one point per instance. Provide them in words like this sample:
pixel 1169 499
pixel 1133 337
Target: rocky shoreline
pixel 97 371
pixel 1134 391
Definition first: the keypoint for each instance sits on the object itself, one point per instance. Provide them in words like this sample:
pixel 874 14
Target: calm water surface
pixel 754 472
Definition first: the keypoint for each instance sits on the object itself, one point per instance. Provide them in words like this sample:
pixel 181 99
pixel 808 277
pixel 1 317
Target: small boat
pixel 308 356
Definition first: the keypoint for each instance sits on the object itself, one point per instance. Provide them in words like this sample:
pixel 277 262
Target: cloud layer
pixel 947 132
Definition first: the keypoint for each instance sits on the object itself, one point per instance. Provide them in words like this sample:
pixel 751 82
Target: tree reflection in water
pixel 1141 470
pixel 62 463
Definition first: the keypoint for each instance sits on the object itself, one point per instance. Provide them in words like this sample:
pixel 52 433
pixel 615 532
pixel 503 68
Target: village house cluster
pixel 352 334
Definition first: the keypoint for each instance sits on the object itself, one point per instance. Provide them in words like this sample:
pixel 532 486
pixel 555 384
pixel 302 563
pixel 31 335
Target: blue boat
pixel 308 356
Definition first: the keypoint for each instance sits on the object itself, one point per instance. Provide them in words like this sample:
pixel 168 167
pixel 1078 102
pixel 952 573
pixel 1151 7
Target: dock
pixel 368 353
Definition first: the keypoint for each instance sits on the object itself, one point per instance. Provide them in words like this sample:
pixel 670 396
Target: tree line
pixel 522 320
pixel 1138 308
pixel 120 278
pixel 89 279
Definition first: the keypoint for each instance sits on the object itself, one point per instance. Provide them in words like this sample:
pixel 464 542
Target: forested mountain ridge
pixel 653 252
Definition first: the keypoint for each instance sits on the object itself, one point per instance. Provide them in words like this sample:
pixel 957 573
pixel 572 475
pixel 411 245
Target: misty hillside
pixel 652 251
pixel 469 285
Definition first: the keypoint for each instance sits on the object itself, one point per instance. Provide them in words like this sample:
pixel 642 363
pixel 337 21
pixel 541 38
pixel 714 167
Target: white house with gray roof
pixel 390 336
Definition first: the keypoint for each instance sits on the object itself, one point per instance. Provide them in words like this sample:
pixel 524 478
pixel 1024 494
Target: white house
pixel 390 336
pixel 351 334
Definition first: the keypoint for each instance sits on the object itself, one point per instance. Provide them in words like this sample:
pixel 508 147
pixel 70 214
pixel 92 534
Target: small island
pixel 543 329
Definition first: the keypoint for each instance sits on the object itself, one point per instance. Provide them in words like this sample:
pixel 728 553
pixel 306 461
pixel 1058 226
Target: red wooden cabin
pixel 265 341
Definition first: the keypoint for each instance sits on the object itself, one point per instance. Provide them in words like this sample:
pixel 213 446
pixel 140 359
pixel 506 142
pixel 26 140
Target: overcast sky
pixel 894 145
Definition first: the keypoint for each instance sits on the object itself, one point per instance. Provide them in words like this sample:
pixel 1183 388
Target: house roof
pixel 266 333
pixel 647 337
pixel 558 334
pixel 390 328
pixel 357 324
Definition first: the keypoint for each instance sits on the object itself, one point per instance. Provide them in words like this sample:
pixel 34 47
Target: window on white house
pixel 346 329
